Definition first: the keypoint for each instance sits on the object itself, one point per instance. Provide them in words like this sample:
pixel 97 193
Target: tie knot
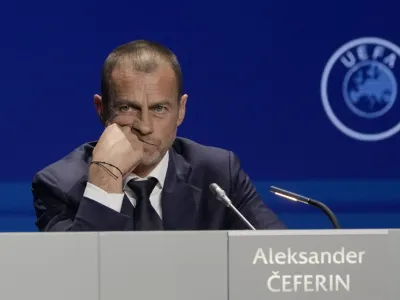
pixel 142 188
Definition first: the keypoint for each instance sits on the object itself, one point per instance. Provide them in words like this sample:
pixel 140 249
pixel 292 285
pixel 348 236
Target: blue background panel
pixel 252 70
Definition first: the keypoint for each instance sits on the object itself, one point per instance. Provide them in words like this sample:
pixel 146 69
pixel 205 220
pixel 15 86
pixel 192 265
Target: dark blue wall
pixel 253 72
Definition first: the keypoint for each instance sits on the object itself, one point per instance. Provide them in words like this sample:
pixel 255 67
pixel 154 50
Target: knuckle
pixel 111 128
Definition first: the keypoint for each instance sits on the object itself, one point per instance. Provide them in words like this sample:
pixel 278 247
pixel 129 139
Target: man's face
pixel 148 102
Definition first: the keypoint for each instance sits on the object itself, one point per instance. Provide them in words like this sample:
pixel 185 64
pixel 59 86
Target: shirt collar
pixel 159 172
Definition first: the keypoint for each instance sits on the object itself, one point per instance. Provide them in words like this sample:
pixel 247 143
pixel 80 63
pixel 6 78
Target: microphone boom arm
pixel 296 197
pixel 327 211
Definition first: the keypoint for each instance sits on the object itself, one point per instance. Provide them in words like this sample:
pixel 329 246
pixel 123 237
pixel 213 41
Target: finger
pixel 132 138
pixel 135 141
pixel 111 128
pixel 135 125
pixel 126 130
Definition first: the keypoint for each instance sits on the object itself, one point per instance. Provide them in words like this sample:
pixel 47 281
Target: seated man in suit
pixel 139 175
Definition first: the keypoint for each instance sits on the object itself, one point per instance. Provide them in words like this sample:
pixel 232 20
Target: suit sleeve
pixel 246 199
pixel 55 212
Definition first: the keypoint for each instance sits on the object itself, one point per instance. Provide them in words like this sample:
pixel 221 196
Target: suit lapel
pixel 127 207
pixel 180 200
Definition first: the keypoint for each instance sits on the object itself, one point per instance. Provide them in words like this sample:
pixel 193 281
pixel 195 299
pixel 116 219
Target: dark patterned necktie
pixel 145 216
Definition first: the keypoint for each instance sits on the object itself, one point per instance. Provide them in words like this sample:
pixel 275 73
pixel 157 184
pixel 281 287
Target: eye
pixel 159 108
pixel 124 108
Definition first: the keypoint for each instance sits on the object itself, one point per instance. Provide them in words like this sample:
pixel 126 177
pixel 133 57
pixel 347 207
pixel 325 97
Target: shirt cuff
pixel 113 201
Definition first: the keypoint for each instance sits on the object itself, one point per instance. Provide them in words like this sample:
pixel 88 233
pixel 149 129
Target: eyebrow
pixel 120 101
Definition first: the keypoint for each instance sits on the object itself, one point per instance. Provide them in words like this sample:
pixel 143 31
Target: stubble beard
pixel 151 160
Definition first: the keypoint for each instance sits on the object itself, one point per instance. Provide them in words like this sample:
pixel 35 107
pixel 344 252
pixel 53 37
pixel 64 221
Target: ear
pixel 182 109
pixel 98 103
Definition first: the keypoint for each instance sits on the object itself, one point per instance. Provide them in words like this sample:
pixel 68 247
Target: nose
pixel 144 123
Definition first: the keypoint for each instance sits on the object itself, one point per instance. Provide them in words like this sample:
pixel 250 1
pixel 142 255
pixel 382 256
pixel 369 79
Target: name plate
pixel 321 264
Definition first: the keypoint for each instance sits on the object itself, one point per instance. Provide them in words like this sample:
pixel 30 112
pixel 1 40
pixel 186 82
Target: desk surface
pixel 290 264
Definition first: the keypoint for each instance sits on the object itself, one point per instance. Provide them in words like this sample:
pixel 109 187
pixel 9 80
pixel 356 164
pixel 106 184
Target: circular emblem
pixel 359 89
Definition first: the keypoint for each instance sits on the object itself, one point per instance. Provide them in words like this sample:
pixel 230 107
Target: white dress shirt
pixel 114 201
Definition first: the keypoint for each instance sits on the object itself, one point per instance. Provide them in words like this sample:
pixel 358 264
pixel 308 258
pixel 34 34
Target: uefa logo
pixel 359 89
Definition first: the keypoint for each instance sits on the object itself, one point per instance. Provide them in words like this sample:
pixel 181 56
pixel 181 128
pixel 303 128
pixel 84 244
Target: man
pixel 139 175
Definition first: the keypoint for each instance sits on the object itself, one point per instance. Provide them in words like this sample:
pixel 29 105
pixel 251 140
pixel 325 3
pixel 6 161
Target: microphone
pixel 221 196
pixel 309 201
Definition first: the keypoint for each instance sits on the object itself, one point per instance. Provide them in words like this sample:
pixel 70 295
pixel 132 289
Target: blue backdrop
pixel 266 79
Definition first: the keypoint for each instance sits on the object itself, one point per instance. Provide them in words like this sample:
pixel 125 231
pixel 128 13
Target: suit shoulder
pixel 202 155
pixel 68 170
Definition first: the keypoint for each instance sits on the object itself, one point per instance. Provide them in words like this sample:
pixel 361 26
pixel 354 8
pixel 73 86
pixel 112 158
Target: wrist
pixel 109 168
pixel 105 178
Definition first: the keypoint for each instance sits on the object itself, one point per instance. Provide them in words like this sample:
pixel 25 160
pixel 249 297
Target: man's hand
pixel 119 147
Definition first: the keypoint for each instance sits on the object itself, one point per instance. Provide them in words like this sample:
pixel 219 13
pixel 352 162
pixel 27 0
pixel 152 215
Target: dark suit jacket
pixel 187 203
